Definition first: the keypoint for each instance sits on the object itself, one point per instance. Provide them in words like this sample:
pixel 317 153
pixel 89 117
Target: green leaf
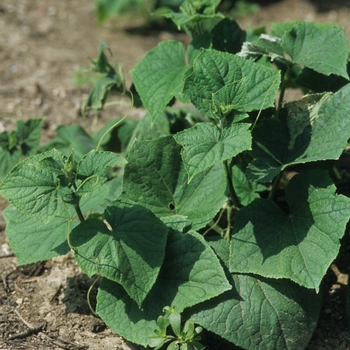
pixel 184 280
pixel 271 243
pixel 266 314
pixel 155 177
pixel 227 36
pixel 129 251
pixel 71 136
pixel 246 189
pixel 35 191
pixel 93 166
pixel 23 141
pixel 317 82
pixel 266 45
pixel 28 133
pixel 102 89
pixel 8 159
pixel 175 323
pixel 204 145
pixel 213 70
pixel 199 42
pixel 146 129
pixel 188 279
pixel 158 77
pixel 192 13
pixel 124 316
pixel 313 45
pixel 108 8
pixel 33 241
pixel 306 135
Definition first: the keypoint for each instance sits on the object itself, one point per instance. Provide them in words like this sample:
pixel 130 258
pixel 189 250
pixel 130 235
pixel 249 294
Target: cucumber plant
pixel 224 206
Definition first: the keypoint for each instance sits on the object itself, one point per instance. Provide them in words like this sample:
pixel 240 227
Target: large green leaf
pixel 299 245
pixel 156 178
pixel 158 77
pixel 204 145
pixel 264 314
pixel 306 135
pixel 34 241
pixel 184 280
pixel 129 251
pixel 314 45
pixel 213 70
pixel 33 190
pixel 227 36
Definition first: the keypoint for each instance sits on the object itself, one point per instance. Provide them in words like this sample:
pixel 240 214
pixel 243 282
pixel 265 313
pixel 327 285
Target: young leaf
pixel 131 252
pixel 313 45
pixel 102 89
pixel 33 190
pixel 192 13
pixel 246 189
pixel 299 245
pixel 204 145
pixel 213 70
pixel 307 136
pixel 155 177
pixel 184 280
pixel 92 168
pixel 158 77
pixel 33 241
pixel 110 81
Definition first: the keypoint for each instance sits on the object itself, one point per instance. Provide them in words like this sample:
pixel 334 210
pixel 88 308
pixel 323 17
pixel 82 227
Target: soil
pixel 43 42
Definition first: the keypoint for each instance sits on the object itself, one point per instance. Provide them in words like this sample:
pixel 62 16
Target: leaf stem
pixel 79 212
pixel 227 235
pixel 88 296
pixel 283 88
pixel 233 196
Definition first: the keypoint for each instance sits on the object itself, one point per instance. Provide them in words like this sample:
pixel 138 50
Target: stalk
pixel 79 212
pixel 283 88
pixel 233 196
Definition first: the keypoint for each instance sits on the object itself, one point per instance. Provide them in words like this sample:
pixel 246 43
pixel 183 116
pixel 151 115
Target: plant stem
pixel 79 212
pixel 233 196
pixel 275 184
pixel 227 235
pixel 283 88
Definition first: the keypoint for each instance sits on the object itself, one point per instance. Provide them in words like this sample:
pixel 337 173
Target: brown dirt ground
pixel 42 43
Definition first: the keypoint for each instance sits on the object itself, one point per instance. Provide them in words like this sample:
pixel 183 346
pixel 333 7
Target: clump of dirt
pixel 42 43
